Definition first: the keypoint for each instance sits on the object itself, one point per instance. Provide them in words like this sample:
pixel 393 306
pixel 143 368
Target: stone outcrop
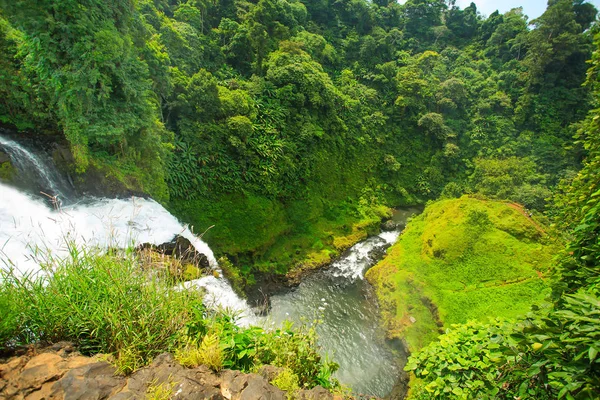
pixel 61 373
pixel 177 258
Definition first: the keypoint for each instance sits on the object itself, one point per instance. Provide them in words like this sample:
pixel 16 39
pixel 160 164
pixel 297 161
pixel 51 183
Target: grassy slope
pixel 462 259
pixel 269 235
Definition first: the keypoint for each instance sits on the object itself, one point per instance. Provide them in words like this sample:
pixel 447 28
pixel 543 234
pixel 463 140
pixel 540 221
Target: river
pixel 338 297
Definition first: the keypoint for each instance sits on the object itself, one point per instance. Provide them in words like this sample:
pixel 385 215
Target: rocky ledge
pixel 60 372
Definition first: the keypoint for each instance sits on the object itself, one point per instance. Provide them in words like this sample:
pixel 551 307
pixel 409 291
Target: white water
pixel 29 229
pixel 358 258
pixel 33 168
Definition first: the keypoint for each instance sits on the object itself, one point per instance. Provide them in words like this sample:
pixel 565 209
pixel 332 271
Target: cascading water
pixel 339 297
pixel 35 171
pixel 29 227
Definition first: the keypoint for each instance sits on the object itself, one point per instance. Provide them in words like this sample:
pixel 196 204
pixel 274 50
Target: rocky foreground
pixel 60 372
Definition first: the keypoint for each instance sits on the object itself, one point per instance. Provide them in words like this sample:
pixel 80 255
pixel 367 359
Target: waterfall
pixel 29 228
pixel 36 170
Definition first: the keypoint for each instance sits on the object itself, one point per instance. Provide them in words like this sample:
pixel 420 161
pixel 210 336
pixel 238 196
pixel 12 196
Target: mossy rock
pixel 7 171
pixel 462 259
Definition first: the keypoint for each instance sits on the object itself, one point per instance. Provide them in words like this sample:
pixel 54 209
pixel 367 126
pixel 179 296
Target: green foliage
pixel 462 364
pixel 511 178
pixel 462 259
pixel 10 318
pixel 287 381
pixel 103 303
pixel 553 352
pixel 209 353
pixel 246 349
pixel 549 355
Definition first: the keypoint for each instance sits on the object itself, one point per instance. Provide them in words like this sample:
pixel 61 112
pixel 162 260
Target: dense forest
pixel 307 114
pixel 288 127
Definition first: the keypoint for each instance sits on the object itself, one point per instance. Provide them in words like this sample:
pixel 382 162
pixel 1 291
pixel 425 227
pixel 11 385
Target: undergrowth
pixel 105 303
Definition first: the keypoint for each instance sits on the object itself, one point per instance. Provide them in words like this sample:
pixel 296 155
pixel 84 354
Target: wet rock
pixel 178 258
pixel 180 248
pixel 389 225
pixel 4 157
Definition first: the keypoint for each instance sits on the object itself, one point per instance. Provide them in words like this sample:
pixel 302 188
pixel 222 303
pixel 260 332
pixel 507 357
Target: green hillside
pixel 462 259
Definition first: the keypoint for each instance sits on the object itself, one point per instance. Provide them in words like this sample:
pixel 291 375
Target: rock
pixel 178 257
pixel 38 370
pixel 4 157
pixel 60 372
pixel 389 225
pixel 316 393
pixel 182 249
pixel 94 381
pixel 238 386
pixel 259 389
pixel 269 372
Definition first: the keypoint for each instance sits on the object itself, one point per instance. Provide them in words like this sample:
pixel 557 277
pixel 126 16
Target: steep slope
pixel 462 259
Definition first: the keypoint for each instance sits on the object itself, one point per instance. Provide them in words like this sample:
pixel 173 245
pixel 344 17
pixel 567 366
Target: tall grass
pixel 107 303
pixel 102 302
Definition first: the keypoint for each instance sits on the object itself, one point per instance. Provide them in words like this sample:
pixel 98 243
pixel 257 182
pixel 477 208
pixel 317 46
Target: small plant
pixel 287 381
pixel 209 353
pixel 162 391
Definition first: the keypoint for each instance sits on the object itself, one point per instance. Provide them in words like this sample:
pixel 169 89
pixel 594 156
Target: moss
pixel 109 176
pixel 7 171
pixel 462 259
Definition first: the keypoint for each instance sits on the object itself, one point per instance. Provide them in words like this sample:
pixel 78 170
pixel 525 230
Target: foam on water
pixel 29 228
pixel 220 294
pixel 359 257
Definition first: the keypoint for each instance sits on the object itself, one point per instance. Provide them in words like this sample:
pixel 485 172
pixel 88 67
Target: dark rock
pixel 389 225
pixel 180 248
pixel 4 157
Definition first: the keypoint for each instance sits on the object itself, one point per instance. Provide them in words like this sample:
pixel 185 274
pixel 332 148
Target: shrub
pixel 209 353
pixel 287 381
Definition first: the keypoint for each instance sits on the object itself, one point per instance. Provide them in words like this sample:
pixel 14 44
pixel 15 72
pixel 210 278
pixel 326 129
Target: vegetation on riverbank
pixel 266 236
pixel 552 352
pixel 104 303
pixel 462 259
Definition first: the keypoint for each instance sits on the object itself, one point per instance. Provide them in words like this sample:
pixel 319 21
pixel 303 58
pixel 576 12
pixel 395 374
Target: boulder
pixel 4 157
pixel 60 372
pixel 178 258
pixel 316 393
